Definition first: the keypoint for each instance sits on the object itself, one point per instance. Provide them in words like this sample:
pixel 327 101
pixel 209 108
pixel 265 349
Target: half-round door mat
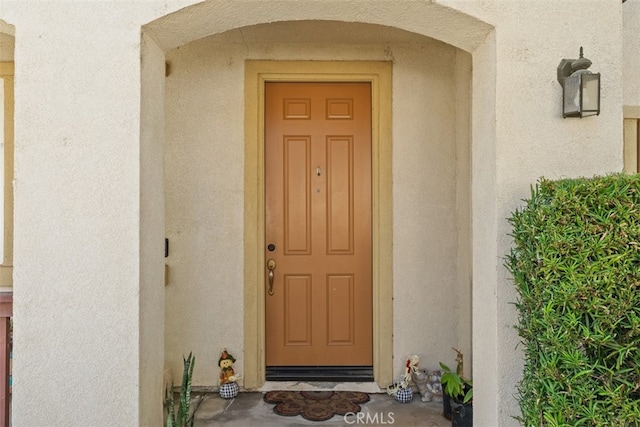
pixel 316 405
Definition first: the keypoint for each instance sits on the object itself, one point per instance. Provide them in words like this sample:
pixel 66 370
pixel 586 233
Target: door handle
pixel 271 265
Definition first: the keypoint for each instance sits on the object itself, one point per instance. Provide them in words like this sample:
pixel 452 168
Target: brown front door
pixel 318 224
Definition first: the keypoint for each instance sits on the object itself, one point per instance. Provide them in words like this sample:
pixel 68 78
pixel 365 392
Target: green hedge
pixel 576 266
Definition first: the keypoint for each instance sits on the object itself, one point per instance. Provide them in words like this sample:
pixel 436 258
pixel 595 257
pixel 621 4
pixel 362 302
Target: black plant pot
pixel 462 414
pixel 446 405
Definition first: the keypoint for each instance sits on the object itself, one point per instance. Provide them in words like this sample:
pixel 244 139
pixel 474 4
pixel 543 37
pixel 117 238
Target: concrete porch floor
pixel 249 409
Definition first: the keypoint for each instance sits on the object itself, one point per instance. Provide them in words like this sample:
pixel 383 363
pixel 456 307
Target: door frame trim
pixel 379 75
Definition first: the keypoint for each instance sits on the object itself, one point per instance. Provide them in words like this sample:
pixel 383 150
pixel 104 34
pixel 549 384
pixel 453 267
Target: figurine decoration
pixel 228 378
pixel 429 384
pixel 226 361
pixel 401 391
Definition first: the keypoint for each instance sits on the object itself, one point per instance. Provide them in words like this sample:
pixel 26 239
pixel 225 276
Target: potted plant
pixel 185 417
pixel 459 390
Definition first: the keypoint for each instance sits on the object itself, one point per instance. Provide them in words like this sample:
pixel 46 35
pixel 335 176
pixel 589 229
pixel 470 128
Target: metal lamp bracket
pixel 564 70
pixel 570 66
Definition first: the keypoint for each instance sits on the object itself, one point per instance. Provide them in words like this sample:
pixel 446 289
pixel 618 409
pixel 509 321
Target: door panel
pixel 318 217
pixel 297 310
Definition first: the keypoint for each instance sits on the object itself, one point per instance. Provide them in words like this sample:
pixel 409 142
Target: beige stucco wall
pixel 80 235
pixel 630 49
pixel 152 229
pixel 80 240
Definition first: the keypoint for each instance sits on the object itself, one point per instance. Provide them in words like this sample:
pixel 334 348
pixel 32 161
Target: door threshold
pixel 320 373
pixel 365 387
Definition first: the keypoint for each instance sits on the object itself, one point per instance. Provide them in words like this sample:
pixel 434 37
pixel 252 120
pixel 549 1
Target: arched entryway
pixel 215 271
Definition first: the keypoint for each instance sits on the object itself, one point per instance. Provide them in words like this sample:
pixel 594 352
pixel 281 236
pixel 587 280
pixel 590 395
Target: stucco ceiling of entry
pixel 428 18
pixel 322 32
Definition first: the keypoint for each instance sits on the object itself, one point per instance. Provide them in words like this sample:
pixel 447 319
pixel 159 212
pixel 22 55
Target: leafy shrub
pixel 576 267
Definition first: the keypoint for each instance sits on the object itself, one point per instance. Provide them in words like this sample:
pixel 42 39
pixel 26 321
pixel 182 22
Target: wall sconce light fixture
pixel 580 88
